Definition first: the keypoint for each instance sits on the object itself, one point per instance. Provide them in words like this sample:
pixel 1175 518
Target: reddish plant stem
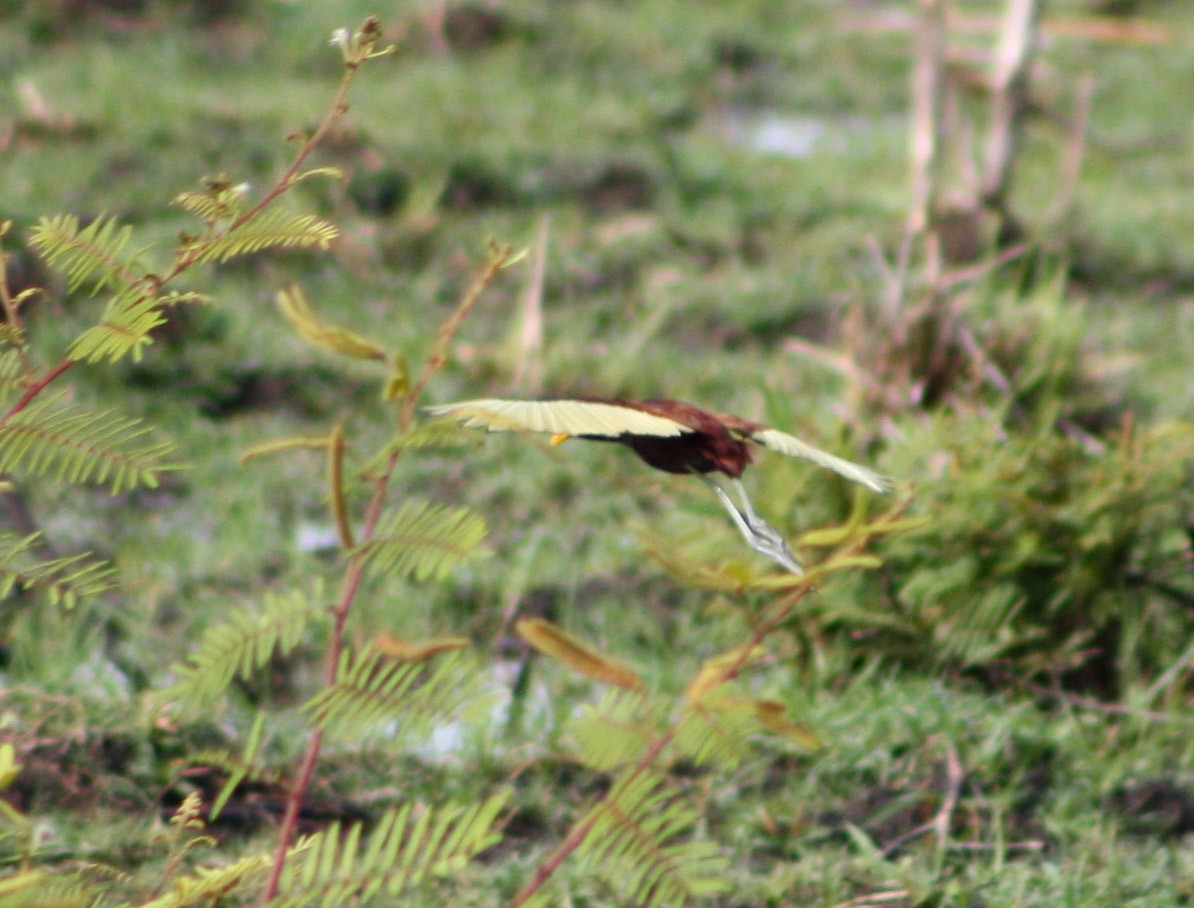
pixel 284 182
pixel 36 388
pixel 306 769
pixel 498 259
pixel 356 566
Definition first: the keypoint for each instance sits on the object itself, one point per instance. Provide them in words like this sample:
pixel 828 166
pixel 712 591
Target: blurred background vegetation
pixel 716 192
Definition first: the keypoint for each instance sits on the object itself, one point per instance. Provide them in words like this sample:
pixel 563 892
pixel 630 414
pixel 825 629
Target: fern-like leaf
pixel 242 644
pixel 716 730
pixel 408 846
pixel 12 373
pixel 37 889
pixel 125 326
pixel 210 886
pixel 234 766
pixel 75 445
pixel 423 540
pixel 65 580
pixel 221 201
pixel 436 433
pixel 370 689
pixel 635 839
pixel 13 335
pixel 614 731
pixel 272 228
pixel 92 255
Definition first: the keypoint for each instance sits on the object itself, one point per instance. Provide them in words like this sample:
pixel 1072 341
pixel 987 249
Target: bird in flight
pixel 669 435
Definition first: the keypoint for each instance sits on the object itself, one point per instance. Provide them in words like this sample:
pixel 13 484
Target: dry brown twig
pixel 954 776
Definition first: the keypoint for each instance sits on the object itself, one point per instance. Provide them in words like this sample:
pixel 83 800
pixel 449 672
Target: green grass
pixel 679 263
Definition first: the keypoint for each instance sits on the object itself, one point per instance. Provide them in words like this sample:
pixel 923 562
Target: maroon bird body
pixel 715 443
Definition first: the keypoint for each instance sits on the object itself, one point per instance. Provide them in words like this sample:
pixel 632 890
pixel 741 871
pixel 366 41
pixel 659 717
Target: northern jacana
pixel 669 435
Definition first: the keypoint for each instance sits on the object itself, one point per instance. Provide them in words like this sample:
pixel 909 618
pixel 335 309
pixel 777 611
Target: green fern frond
pixel 371 689
pixel 436 433
pixel 12 335
pixel 423 540
pixel 93 254
pixel 65 580
pixel 200 204
pixel 243 643
pixel 126 324
pixel 124 328
pixel 232 764
pixel 177 297
pixel 717 731
pixel 50 437
pixel 210 886
pixel 236 767
pixel 635 841
pixel 273 228
pixel 408 846
pixel 36 889
pixel 614 731
pixel 218 203
pixel 12 373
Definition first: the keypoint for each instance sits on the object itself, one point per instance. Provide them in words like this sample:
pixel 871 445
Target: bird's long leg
pixel 759 535
pixel 748 509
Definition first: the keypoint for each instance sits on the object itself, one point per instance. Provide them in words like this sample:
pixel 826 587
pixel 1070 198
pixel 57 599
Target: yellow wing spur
pixel 784 443
pixel 558 417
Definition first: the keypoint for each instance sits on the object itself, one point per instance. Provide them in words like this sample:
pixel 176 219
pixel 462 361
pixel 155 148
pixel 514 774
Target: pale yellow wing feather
pixel 794 447
pixel 558 417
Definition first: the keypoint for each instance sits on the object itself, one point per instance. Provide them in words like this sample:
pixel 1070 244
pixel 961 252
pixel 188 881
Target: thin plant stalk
pixel 499 257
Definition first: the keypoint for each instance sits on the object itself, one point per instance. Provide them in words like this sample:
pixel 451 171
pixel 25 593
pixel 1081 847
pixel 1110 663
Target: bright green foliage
pixel 34 889
pixel 620 727
pixel 12 372
pixel 93 255
pixel 371 689
pixel 209 885
pixel 423 540
pixel 272 228
pixel 635 841
pixel 125 326
pixel 221 201
pixel 615 730
pixel 716 731
pixel 1038 546
pixel 435 433
pixel 244 643
pixel 408 846
pixel 64 580
pixel 53 438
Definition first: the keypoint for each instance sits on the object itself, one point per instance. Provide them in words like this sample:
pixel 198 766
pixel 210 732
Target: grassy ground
pixel 712 185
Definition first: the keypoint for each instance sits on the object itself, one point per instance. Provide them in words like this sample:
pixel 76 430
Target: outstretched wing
pixel 559 417
pixel 794 447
